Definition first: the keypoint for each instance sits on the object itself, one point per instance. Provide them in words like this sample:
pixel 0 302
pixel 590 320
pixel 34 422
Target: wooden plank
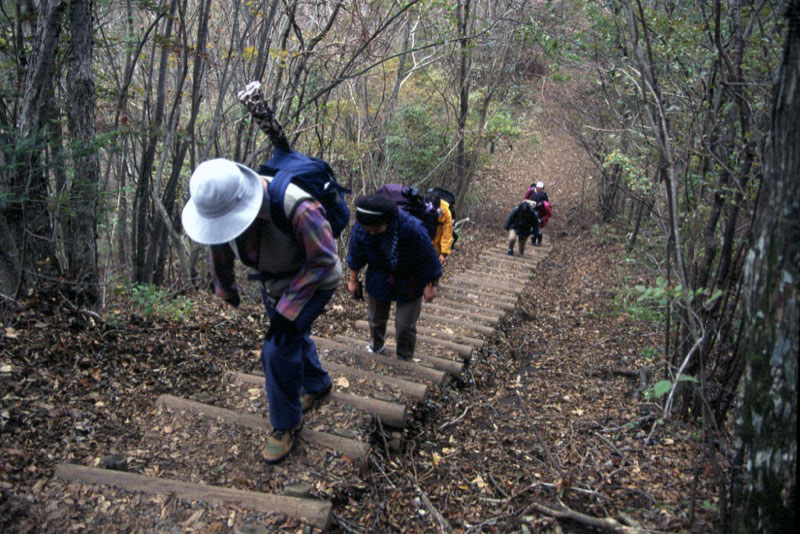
pixel 443 364
pixel 463 323
pixel 487 315
pixel 474 300
pixel 521 263
pixel 434 375
pixel 464 350
pixel 390 413
pixel 505 289
pixel 412 389
pixel 349 447
pixel 436 333
pixel 315 512
pixel 499 277
pixel 483 294
pixel 481 287
pixel 463 310
pixel 531 252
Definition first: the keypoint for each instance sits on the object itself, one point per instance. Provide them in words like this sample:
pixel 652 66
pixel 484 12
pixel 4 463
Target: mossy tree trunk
pixel 763 496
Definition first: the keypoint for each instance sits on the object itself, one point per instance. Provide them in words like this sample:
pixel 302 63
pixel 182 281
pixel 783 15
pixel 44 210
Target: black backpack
pixel 410 201
pixel 312 175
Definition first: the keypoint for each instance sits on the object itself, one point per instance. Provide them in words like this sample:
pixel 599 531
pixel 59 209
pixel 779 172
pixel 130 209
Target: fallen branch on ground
pixel 604 523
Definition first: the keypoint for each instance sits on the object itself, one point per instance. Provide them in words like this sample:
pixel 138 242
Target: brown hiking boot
pixel 308 400
pixel 280 443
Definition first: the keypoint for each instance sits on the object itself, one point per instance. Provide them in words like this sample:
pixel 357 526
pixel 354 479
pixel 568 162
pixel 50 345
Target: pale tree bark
pixel 81 241
pixel 764 494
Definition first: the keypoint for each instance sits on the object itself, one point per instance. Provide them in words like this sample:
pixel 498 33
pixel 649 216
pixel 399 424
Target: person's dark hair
pixel 375 209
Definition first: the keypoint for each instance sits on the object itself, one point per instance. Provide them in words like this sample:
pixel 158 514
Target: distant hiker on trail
pixel 401 266
pixel 229 210
pixel 536 192
pixel 521 223
pixel 443 241
pixel 538 195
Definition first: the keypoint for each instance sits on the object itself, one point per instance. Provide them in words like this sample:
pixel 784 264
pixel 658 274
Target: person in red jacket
pixel 538 196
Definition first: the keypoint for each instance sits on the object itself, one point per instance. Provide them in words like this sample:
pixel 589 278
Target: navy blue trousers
pixel 294 368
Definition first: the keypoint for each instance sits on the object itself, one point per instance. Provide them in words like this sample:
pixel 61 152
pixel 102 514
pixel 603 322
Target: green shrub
pixel 150 301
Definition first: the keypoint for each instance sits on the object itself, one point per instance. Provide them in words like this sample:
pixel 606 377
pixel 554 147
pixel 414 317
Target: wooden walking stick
pixel 254 99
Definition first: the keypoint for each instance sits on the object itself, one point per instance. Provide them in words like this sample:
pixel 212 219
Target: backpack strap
pixel 277 190
pixel 277 194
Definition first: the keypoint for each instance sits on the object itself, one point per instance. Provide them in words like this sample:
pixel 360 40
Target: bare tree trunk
pixel 462 15
pixel 764 496
pixel 25 208
pixel 143 209
pixel 81 242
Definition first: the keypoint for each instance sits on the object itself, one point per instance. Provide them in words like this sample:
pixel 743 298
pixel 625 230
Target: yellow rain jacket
pixel 444 230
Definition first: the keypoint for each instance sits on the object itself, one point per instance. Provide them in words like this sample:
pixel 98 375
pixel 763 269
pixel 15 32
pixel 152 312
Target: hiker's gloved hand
pixel 282 331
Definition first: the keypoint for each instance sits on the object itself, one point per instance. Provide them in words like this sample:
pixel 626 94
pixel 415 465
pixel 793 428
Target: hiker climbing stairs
pixel 373 394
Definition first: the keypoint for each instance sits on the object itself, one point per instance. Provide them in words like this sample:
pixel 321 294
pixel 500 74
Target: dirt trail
pixel 544 418
pixel 540 417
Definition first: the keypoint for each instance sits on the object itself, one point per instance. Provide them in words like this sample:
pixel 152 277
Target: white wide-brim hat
pixel 225 198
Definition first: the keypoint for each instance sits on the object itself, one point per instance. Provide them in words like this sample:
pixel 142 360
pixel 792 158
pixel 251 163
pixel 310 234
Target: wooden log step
pixel 436 333
pixel 465 286
pixel 499 277
pixel 316 513
pixel 531 252
pixel 390 413
pixel 430 317
pixel 413 369
pixel 532 255
pixel 412 389
pixel 441 364
pixel 486 295
pixel 349 447
pixel 508 262
pixel 505 289
pixel 502 247
pixel 496 277
pixel 487 315
pixel 474 300
pixel 449 341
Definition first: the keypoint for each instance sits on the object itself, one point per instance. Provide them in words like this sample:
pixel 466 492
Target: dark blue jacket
pixel 400 262
pixel 523 219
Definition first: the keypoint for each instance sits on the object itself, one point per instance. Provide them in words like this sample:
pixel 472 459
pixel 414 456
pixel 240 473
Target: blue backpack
pixel 312 175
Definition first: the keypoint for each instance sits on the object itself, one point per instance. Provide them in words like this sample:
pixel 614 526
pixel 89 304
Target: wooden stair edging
pixel 506 289
pixel 516 262
pixel 464 350
pixel 390 413
pixel 412 389
pixel 433 318
pixel 518 278
pixel 315 512
pixel 521 261
pixel 508 279
pixel 356 450
pixel 531 253
pixel 493 299
pixel 442 365
pixel 474 301
pixel 432 374
pixel 491 320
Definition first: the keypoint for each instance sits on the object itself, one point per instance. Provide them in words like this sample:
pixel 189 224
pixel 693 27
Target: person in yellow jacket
pixel 444 230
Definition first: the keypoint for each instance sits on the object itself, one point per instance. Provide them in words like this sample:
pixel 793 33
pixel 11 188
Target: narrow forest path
pixel 534 414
